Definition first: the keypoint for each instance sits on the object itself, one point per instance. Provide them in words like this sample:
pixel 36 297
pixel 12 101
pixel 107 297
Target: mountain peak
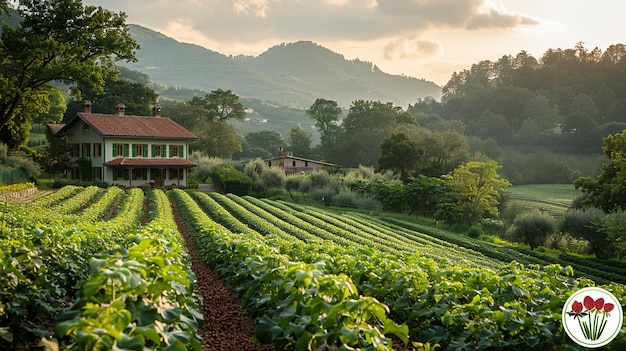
pixel 292 73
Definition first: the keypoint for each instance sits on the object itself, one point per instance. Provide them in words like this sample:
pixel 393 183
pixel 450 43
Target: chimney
pixel 281 153
pixel 120 109
pixel 156 110
pixel 87 106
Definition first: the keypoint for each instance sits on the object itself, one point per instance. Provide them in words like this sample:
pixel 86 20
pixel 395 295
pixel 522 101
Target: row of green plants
pixel 512 253
pixel 128 286
pixel 448 303
pixel 299 305
pixel 418 242
pixel 42 260
pixel 138 296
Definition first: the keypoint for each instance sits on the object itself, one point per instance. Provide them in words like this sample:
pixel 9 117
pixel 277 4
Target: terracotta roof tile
pixel 150 162
pixel 135 126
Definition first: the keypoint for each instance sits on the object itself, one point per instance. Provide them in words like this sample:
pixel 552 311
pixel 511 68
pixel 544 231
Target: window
pixel 86 128
pixel 97 150
pixel 97 173
pixel 176 173
pixel 140 150
pixel 159 150
pixel 86 150
pixel 121 173
pixel 119 150
pixel 176 151
pixel 293 163
pixel 75 150
pixel 140 174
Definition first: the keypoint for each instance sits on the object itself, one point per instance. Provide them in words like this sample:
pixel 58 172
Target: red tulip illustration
pixel 596 312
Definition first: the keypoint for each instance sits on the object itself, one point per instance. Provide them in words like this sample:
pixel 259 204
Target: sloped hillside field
pixel 90 268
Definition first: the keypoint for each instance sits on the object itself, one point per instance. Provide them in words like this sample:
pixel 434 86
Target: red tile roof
pixel 135 126
pixel 150 162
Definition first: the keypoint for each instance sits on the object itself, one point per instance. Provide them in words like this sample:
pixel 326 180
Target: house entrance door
pixel 158 177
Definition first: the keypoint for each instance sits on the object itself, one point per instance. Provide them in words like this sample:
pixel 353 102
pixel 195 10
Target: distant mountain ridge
pixel 292 74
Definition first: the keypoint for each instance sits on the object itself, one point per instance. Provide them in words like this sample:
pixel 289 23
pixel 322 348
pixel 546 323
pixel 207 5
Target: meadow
pixel 553 199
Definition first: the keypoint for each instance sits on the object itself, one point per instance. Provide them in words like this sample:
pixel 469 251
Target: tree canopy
pixel 479 189
pixel 607 191
pixel 59 40
pixel 221 104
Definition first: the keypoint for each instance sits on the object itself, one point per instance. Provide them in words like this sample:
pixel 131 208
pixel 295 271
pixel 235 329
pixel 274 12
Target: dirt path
pixel 226 328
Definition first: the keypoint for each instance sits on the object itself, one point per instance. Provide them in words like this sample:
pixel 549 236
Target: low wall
pixel 19 195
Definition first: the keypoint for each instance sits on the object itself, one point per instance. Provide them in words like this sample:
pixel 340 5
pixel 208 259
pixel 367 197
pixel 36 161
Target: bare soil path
pixel 226 327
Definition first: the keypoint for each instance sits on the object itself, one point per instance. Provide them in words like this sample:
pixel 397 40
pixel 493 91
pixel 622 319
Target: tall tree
pixel 221 104
pixel 300 142
pixel 269 140
pixel 401 155
pixel 479 189
pixel 607 191
pixel 56 110
pixel 57 40
pixel 219 140
pixel 326 114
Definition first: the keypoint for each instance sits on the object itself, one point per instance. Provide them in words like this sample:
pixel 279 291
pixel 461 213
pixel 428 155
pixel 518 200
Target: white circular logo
pixel 592 317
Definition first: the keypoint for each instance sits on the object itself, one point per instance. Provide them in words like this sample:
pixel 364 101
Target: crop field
pixel 109 268
pixel 549 198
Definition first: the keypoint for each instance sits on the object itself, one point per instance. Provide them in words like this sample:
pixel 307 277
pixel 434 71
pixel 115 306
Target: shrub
pixel 230 180
pixel 532 228
pixel 205 164
pixel 475 231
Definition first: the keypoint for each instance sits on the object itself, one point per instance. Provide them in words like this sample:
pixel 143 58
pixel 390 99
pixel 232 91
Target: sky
pixel 427 39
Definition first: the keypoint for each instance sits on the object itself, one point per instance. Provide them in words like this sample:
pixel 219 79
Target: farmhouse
pixel 127 150
pixel 293 164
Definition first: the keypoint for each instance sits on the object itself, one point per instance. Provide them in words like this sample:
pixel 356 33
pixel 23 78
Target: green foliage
pixel 230 180
pixel 587 224
pixel 607 192
pixel 269 140
pixel 535 168
pixel 221 104
pixel 300 142
pixel 478 188
pixel 204 166
pixel 326 114
pixel 400 155
pixel 448 301
pixel 56 41
pixel 532 228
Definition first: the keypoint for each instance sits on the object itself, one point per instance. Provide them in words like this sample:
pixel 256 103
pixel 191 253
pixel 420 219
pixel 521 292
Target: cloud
pixel 289 20
pixel 499 19
pixel 409 48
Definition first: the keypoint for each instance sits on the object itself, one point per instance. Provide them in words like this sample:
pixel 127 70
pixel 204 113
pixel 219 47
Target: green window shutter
pixel 126 147
pixel 126 174
pixel 153 150
pixel 114 151
pixel 182 151
pixel 151 176
pixel 134 174
pixel 171 147
pixel 134 150
pixel 145 150
pixel 163 151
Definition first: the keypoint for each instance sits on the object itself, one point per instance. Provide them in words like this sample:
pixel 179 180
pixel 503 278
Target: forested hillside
pixel 567 97
pixel 291 74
